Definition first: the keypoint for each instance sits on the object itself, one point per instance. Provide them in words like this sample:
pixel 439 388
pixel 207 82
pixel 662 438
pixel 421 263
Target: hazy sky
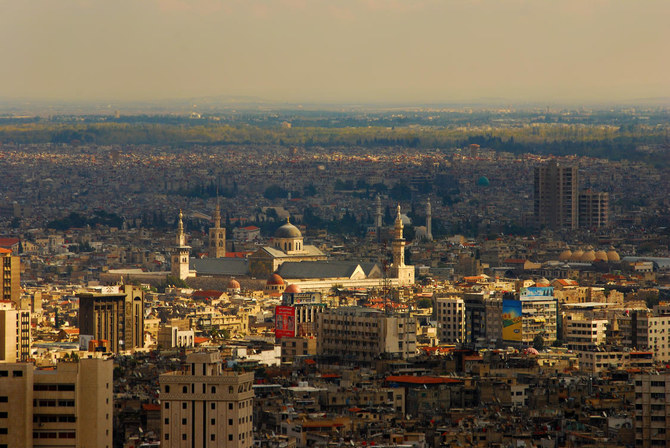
pixel 412 51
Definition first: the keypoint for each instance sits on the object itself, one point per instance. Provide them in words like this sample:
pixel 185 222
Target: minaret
pixel 217 235
pixel 378 216
pixel 398 242
pixel 180 253
pixel 404 273
pixel 429 223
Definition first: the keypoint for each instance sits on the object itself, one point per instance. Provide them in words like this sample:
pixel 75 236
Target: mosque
pixel 289 260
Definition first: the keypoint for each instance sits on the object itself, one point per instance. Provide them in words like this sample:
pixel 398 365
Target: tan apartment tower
pixel 116 317
pixel 556 196
pixel 70 406
pixel 204 405
pixel 217 235
pixel 14 333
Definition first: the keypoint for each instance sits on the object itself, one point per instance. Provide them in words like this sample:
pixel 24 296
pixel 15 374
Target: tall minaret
pixel 429 223
pixel 398 242
pixel 217 235
pixel 180 253
pixel 378 216
pixel 404 273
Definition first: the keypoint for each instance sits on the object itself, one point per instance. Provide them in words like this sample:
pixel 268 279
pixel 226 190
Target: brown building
pixel 593 209
pixel 117 317
pixel 70 406
pixel 556 196
pixel 204 405
pixel 10 266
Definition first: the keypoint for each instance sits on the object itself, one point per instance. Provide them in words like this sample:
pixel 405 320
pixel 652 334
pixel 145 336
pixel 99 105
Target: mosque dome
pixel 613 256
pixel 288 230
pixel 275 279
pixel 233 284
pixel 565 255
pixel 601 255
pixel 295 289
pixel 577 255
pixel 588 256
pixel 483 181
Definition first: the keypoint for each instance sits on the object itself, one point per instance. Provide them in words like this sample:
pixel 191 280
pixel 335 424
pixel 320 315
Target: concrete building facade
pixel 206 406
pixel 357 334
pixel 556 196
pixel 70 406
pixel 116 317
pixel 14 333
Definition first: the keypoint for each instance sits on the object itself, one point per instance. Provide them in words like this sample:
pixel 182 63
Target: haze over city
pixel 353 51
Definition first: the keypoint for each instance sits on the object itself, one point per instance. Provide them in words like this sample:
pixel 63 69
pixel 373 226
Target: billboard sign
pixel 284 322
pixel 537 291
pixel 511 321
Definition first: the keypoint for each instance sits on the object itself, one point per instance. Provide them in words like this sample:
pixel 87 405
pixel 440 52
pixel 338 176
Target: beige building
pixel 10 266
pixel 363 335
pixel 204 405
pixel 584 333
pixel 70 406
pixel 451 324
pixel 116 316
pixel 296 348
pixel 14 333
pixel 652 410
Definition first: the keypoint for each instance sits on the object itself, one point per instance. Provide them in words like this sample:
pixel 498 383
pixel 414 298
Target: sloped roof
pixel 318 269
pixel 219 266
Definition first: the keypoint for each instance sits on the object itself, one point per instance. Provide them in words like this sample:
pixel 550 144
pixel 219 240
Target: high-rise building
pixel 117 317
pixel 483 319
pixel 14 333
pixel 70 406
pixel 362 335
pixel 10 268
pixel 450 315
pixel 652 410
pixel 556 196
pixel 217 236
pixel 205 405
pixel 593 209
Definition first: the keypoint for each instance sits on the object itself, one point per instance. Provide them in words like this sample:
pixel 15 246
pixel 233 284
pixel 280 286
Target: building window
pixel 167 389
pixel 213 422
pixel 167 421
pixel 183 436
pixel 183 421
pixel 183 405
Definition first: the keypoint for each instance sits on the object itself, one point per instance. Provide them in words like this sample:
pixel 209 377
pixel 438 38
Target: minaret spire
pixel 378 217
pixel 181 240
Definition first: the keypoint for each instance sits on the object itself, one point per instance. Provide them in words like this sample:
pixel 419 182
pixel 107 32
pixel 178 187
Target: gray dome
pixel 288 230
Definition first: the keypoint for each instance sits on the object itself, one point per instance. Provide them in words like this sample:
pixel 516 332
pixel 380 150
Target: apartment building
pixel 357 334
pixel 10 267
pixel 14 333
pixel 450 316
pixel 652 410
pixel 584 333
pixel 116 316
pixel 206 406
pixel 69 406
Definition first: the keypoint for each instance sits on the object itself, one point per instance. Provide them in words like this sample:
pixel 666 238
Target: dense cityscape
pixel 400 292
